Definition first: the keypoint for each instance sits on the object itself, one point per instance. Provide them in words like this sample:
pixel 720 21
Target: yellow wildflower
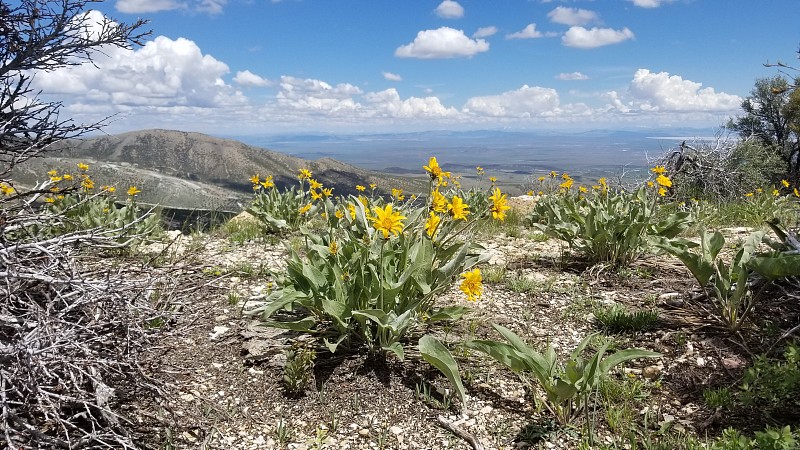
pixel 553 174
pixel 255 179
pixel 333 248
pixel 268 183
pixel 662 191
pixel 567 184
pixel 304 209
pixel 59 197
pixel 351 208
pixel 83 166
pixel 314 184
pixel 360 188
pixel 52 173
pixel 650 184
pixel 796 193
pixel 338 214
pixel 398 194
pixel 541 178
pixel 776 192
pixel 304 174
pixel 749 194
pixel 432 224
pixel 659 170
pixel 67 177
pixel 109 189
pixel 472 284
pixel 87 183
pixel 50 200
pixel 785 183
pixel 433 169
pixel 327 192
pixel 132 191
pixel 493 179
pixel 499 205
pixel 759 190
pixel 387 221
pixel 315 195
pixel 458 209
pixel 438 202
pixel 663 180
pixel 6 189
pixel 56 179
pixel 479 169
pixel 373 186
pixel 530 193
pixel 582 189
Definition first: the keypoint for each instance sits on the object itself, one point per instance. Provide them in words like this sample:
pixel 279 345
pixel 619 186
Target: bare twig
pixel 472 440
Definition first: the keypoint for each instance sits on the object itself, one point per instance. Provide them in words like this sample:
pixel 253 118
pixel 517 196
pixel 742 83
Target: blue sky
pixel 240 67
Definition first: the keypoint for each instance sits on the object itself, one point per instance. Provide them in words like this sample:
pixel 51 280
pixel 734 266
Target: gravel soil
pixel 223 371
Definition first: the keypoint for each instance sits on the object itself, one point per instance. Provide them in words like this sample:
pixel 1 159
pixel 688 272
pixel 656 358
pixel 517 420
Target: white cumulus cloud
pixel 572 76
pixel 450 9
pixel 664 92
pixel 581 37
pixel 247 78
pixel 311 95
pixel 572 16
pixel 162 73
pixel 444 42
pixel 529 32
pixel 392 76
pixel 147 6
pixel 649 3
pixel 483 32
pixel 152 6
pixel 525 102
pixel 388 103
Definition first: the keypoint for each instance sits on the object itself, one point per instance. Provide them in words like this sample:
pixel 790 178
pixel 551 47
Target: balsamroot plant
pixel 286 210
pixel 608 227
pixel 734 288
pixel 568 385
pixel 372 277
pixel 80 205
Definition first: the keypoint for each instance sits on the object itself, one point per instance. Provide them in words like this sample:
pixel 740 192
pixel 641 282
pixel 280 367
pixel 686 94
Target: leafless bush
pixel 70 337
pixel 71 330
pixel 722 168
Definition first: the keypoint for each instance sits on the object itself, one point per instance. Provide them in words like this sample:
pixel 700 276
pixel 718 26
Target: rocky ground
pixel 224 371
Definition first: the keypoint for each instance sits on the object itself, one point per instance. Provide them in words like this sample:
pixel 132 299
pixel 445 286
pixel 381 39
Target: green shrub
pixel 606 227
pixel 616 318
pixel 568 385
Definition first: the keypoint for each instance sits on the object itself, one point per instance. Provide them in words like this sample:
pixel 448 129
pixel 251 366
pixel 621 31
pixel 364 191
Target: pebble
pixel 651 372
pixel 364 432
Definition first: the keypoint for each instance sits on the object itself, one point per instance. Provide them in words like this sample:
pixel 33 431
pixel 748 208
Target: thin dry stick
pixel 472 440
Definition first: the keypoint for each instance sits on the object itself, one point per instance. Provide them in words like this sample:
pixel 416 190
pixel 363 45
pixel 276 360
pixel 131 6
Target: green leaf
pixel 303 325
pixel 395 348
pixel 501 352
pixel 774 266
pixel 621 356
pixel 439 356
pixel 333 345
pixel 449 313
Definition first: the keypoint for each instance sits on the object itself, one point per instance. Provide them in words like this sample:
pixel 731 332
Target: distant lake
pixel 503 154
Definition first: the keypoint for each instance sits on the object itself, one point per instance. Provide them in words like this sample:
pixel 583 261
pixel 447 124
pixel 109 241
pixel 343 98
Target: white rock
pixel 219 330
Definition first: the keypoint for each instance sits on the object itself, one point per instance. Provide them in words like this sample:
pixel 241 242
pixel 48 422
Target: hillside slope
pixel 193 170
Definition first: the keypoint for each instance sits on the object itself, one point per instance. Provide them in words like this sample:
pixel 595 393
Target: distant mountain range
pixel 193 170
